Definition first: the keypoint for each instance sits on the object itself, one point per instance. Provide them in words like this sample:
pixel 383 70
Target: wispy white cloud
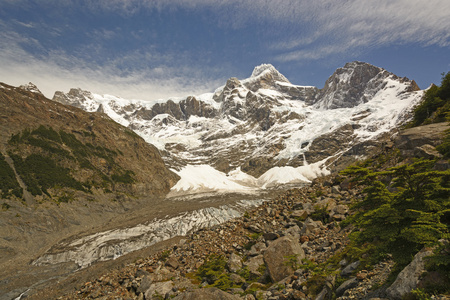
pixel 354 25
pixel 60 71
pixel 290 31
pixel 321 26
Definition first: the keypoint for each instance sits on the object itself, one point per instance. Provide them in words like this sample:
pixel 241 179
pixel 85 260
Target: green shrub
pixel 436 104
pixel 125 177
pixel 321 214
pixel 444 147
pixel 8 182
pixel 212 268
pixel 404 221
pixel 5 206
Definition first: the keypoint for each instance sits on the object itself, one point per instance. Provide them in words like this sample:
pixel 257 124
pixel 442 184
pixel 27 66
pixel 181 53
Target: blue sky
pixel 150 49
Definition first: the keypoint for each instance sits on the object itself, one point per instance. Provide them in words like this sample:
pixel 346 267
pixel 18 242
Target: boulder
pixel 302 214
pixel 341 209
pixel 349 284
pixel 206 294
pixel 350 268
pixel 427 151
pixel 236 279
pixel 172 262
pixel 270 236
pixel 417 136
pixel 310 226
pixel 278 256
pixel 257 248
pixel 293 231
pixel 234 263
pixel 158 288
pixel 254 263
pixel 408 278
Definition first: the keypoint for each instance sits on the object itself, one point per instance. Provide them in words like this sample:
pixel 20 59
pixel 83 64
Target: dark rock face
pixel 411 138
pixel 354 84
pixel 347 86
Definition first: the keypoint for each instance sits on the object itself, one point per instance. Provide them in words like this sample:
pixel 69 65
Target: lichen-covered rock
pixel 408 278
pixel 282 257
pixel 159 289
pixel 234 263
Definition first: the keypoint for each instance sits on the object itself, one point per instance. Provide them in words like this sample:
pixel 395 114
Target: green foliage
pixel 315 283
pixel 125 177
pixel 223 282
pixel 212 268
pixel 292 261
pixel 436 104
pixel 321 214
pixel 8 182
pixel 164 255
pixel 255 235
pixel 444 147
pixel 46 133
pixel 60 151
pixel 417 294
pixel 41 173
pixel 249 277
pixel 403 221
pixel 5 206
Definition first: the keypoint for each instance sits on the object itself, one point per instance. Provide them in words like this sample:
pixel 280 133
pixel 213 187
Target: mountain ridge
pixel 264 121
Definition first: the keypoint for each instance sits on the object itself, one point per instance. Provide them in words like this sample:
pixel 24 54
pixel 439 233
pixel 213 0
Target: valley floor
pixel 31 233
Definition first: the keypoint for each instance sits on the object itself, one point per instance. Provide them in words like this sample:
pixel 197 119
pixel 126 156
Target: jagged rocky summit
pixel 267 127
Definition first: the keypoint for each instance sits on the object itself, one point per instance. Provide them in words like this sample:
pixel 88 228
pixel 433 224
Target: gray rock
pixel 418 136
pixel 301 214
pixel 270 236
pixel 309 226
pixel 146 282
pixel 293 231
pixel 236 279
pixel 158 288
pixel 322 295
pixel 341 209
pixel 234 263
pixel 254 263
pixel 257 249
pixel 277 255
pixel 206 294
pixel 350 268
pixel 408 278
pixel 349 284
pixel 335 189
pixel 427 151
pixel 172 262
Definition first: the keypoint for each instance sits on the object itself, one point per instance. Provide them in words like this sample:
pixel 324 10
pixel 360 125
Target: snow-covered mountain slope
pixel 264 125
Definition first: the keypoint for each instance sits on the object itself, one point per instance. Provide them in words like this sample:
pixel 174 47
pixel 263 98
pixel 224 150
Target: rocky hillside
pixel 62 153
pixel 265 121
pixel 309 243
pixel 64 171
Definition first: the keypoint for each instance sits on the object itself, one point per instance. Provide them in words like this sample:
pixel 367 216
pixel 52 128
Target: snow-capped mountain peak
pixel 263 122
pixel 265 69
pixel 31 88
pixel 354 84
